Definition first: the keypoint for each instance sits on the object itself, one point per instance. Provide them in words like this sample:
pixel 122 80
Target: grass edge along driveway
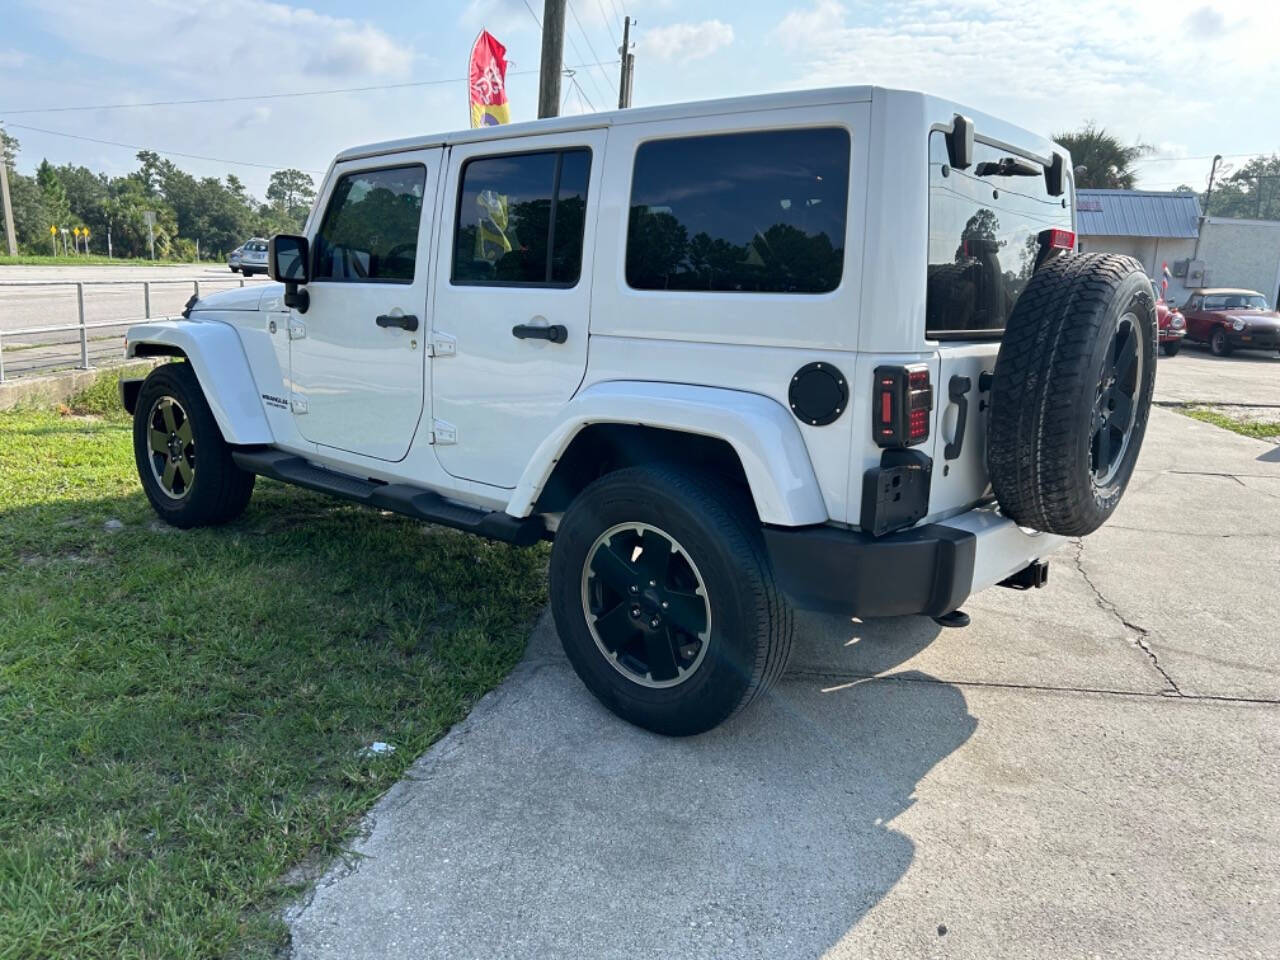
pixel 182 712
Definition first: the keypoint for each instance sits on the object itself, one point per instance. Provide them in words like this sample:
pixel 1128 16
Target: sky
pixel 1190 79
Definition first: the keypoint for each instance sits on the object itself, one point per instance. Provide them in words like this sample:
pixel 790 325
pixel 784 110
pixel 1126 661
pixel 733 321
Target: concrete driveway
pixel 1089 770
pixel 1245 378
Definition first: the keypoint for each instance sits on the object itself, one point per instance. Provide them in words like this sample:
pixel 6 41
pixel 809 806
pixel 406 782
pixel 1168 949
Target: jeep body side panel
pixel 762 371
pixel 216 355
pixel 762 432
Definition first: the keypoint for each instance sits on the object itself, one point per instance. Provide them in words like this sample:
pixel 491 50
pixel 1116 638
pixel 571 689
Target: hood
pixel 1254 318
pixel 239 298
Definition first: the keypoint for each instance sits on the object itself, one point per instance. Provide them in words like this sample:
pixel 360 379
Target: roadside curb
pixel 58 387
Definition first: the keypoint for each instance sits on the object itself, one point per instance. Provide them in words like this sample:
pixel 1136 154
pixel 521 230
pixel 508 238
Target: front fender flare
pixel 760 430
pixel 216 355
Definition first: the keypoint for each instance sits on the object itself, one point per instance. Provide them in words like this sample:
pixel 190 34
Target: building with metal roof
pixel 1137 213
pixel 1155 227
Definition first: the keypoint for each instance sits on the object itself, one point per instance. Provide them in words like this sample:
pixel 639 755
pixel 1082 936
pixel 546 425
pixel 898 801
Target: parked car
pixel 1170 323
pixel 233 258
pixel 768 416
pixel 253 257
pixel 1228 319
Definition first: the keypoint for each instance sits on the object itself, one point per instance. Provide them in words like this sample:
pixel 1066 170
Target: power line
pixel 167 153
pixel 275 96
pixel 610 32
pixel 532 14
pixel 582 93
pixel 1206 156
pixel 607 79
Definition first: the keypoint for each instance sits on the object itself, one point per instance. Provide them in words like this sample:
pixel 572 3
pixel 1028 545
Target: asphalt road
pixel 1088 770
pixel 24 307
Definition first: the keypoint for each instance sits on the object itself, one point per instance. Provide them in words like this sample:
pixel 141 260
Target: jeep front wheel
pixel 665 601
pixel 183 462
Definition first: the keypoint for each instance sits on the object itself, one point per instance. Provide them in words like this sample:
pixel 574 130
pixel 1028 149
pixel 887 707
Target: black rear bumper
pixel 926 570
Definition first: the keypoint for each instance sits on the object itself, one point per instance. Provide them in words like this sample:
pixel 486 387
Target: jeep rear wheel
pixel 665 601
pixel 1071 393
pixel 183 462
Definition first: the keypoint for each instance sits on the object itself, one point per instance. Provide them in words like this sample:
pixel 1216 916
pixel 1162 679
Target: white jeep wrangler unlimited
pixel 827 349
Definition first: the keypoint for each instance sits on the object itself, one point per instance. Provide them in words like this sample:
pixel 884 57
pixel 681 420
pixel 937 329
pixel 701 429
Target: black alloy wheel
pixel 646 604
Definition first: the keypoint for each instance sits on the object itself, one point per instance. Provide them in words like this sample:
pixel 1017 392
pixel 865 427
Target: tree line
pixel 220 214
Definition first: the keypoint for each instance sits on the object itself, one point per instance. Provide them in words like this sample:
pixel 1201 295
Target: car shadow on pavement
pixel 545 826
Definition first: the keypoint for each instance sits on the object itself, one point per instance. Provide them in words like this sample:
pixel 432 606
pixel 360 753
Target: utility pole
pixel 552 58
pixel 1213 172
pixel 6 205
pixel 628 65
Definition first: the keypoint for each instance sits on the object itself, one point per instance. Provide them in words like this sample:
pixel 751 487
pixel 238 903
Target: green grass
pixel 1258 429
pixel 38 260
pixel 181 713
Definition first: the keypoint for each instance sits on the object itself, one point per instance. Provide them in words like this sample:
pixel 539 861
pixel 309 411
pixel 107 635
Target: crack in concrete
pixel 851 677
pixel 1141 634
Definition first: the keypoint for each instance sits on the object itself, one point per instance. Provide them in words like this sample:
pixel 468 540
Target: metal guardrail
pixel 83 327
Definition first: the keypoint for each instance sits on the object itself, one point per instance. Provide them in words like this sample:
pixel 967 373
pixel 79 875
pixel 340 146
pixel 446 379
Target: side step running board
pixel 396 497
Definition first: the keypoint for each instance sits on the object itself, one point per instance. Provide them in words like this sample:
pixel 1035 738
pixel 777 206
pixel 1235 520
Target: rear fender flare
pixel 216 355
pixel 761 431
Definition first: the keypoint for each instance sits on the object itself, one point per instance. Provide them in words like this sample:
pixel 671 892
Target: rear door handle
pixel 404 322
pixel 958 393
pixel 556 333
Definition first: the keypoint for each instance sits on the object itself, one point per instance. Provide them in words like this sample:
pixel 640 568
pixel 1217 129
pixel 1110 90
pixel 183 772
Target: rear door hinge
pixel 443 433
pixel 442 345
pixel 298 403
pixel 297 330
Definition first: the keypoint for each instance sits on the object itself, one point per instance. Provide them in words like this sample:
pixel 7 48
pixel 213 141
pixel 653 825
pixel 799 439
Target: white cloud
pixel 12 59
pixel 239 41
pixel 1153 70
pixel 686 41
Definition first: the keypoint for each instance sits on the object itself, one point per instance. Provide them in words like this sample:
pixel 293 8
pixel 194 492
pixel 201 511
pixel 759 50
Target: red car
pixel 1171 326
pixel 1228 319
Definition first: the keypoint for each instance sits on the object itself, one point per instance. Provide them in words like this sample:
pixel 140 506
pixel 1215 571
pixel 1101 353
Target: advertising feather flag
pixel 487 73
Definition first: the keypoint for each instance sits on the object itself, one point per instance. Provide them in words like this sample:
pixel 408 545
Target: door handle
pixel 958 392
pixel 406 322
pixel 556 333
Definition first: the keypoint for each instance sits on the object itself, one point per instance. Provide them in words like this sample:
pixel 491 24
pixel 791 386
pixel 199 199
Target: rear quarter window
pixel 760 212
pixel 983 238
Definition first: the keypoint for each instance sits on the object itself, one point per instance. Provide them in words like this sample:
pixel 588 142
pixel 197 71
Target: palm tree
pixel 1106 161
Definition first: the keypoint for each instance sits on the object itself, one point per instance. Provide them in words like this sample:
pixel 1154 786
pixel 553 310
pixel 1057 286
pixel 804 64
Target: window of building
pixel 753 212
pixel 370 228
pixel 521 219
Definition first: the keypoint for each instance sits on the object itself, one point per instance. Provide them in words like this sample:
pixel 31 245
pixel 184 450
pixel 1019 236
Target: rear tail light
pixel 1056 239
pixel 1052 243
pixel 902 406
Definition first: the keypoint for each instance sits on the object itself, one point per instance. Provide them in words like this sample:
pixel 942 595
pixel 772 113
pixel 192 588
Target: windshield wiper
pixel 1006 167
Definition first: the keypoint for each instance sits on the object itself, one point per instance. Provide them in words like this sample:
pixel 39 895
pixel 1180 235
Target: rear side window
pixel 370 229
pixel 983 238
pixel 751 212
pixel 521 219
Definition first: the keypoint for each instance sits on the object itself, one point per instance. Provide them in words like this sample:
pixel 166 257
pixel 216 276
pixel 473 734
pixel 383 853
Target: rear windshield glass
pixel 983 234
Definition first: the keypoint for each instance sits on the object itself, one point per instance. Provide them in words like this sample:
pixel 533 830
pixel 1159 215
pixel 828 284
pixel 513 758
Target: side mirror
pixel 960 142
pixel 289 262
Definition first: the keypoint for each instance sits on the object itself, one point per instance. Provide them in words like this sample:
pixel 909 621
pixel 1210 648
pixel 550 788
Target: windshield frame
pixel 1253 301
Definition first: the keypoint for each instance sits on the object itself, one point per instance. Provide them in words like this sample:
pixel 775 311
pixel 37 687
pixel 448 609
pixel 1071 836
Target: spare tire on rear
pixel 1071 392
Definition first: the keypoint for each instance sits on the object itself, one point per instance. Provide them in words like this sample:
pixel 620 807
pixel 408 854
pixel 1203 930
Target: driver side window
pixel 370 228
pixel 1194 304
